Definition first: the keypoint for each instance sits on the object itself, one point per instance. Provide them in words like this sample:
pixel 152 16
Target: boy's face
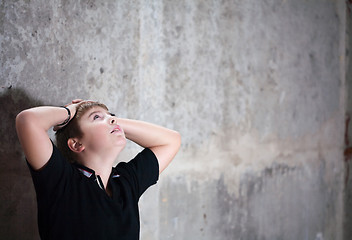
pixel 101 132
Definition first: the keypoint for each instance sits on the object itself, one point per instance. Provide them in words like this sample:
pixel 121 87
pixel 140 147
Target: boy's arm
pixel 32 126
pixel 164 142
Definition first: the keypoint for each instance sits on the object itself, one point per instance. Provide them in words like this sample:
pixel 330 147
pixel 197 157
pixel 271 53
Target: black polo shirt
pixel 72 204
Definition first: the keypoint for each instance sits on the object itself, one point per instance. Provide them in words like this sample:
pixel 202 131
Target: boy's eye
pixel 96 117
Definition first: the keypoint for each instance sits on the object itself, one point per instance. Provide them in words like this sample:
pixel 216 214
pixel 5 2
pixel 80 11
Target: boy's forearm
pixel 43 117
pixel 146 134
pixel 164 142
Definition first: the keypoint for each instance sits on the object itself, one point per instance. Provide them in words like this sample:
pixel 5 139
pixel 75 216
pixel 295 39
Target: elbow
pixel 177 140
pixel 23 118
pixel 20 118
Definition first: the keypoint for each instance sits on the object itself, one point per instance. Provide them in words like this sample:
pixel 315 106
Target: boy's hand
pixel 72 107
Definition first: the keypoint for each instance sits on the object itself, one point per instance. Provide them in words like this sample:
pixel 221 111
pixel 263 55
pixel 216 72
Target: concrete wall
pixel 256 88
pixel 348 131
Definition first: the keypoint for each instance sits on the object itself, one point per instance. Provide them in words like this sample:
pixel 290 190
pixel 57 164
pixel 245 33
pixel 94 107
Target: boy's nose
pixel 112 120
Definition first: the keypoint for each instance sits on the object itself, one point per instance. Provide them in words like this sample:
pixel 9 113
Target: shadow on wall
pixel 17 196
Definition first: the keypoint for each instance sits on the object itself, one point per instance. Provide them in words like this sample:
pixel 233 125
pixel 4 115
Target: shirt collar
pixel 91 173
pixel 85 170
pixel 114 173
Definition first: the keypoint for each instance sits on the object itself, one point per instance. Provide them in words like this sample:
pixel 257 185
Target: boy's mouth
pixel 116 129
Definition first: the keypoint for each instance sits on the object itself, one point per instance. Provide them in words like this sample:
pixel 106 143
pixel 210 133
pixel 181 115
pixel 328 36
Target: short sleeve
pixel 47 179
pixel 143 170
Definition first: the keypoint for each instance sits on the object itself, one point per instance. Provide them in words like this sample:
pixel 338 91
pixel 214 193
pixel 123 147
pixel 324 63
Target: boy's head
pixel 73 130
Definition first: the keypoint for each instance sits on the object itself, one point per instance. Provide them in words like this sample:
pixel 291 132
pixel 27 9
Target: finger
pixel 77 100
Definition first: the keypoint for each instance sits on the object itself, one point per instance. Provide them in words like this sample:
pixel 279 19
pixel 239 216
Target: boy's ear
pixel 75 145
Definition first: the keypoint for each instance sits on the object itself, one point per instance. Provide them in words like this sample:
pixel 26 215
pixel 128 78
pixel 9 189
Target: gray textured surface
pixel 348 131
pixel 256 88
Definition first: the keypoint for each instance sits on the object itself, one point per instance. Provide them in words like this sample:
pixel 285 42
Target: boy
pixel 80 195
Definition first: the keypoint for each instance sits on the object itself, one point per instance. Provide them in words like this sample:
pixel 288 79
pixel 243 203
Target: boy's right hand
pixel 72 107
